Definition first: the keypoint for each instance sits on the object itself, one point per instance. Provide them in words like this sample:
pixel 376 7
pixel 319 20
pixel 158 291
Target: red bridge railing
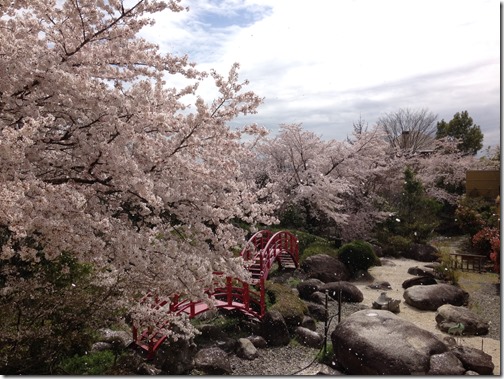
pixel 259 254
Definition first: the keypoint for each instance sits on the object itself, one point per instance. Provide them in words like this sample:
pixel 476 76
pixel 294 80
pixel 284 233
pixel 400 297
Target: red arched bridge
pixel 262 250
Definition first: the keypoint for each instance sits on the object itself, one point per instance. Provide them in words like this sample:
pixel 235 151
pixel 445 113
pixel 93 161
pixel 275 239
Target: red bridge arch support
pixel 262 250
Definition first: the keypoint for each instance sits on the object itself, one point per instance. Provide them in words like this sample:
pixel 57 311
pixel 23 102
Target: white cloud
pixel 325 62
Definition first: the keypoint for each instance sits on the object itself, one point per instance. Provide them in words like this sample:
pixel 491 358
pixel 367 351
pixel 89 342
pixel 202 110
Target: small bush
pixel 357 255
pixel 487 242
pixel 96 363
pixel 445 270
pixel 395 245
pixel 326 356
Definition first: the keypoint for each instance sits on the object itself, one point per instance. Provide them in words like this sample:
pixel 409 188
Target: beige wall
pixel 483 183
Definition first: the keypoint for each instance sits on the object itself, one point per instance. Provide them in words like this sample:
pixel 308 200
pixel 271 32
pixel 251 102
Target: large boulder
pixel 474 360
pixel 307 287
pixel 274 329
pixel 213 335
pixel 377 342
pixel 419 281
pixel 349 292
pixel 213 361
pixel 430 298
pixel 325 268
pixel 422 253
pixel 175 357
pixel 449 315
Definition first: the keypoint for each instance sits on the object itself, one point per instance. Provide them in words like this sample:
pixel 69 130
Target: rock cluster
pixel 367 342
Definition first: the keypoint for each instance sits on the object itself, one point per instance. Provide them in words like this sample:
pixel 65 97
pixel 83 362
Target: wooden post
pixel 263 296
pixel 326 326
pixel 246 296
pixel 229 290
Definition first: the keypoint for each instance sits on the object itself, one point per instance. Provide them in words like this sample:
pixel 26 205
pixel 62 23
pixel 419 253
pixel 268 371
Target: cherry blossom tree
pixel 333 182
pixel 101 157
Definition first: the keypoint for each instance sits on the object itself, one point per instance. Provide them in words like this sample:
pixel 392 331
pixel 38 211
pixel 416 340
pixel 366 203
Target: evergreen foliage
pixel 357 255
pixel 463 128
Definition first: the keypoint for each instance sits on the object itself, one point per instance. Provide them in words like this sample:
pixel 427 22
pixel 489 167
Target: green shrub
pixel 52 314
pixel 326 356
pixel 357 255
pixel 445 270
pixel 395 245
pixel 96 363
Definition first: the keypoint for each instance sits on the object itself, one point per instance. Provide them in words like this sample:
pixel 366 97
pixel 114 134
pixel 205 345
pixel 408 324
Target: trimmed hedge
pixel 357 255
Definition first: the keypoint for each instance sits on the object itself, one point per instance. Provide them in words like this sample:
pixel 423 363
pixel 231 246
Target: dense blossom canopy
pixel 100 157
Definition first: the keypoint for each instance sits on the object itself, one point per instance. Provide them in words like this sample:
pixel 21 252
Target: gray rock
pixel 450 341
pixel 118 338
pixel 419 281
pixel 418 271
pixel 349 292
pixel 212 361
pixel 309 323
pixel 176 357
pixel 319 369
pixel 380 285
pixel 274 329
pixel 422 253
pixel 308 337
pixel 211 332
pixel 445 364
pixel 448 315
pixel 319 312
pixel 474 360
pixel 377 342
pixel 431 297
pixel 213 335
pixel 386 303
pixel 246 349
pixel 320 298
pixel 307 287
pixel 101 346
pixel 387 262
pixel 148 369
pixel 325 268
pixel 258 341
pixel 470 372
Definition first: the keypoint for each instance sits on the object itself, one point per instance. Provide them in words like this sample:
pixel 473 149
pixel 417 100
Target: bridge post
pixel 263 296
pixel 246 296
pixel 229 290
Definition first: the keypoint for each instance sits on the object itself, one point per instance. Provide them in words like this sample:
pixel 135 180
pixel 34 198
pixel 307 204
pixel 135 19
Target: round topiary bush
pixel 357 255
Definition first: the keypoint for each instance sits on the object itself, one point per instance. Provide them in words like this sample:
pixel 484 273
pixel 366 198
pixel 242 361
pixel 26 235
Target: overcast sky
pixel 325 63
